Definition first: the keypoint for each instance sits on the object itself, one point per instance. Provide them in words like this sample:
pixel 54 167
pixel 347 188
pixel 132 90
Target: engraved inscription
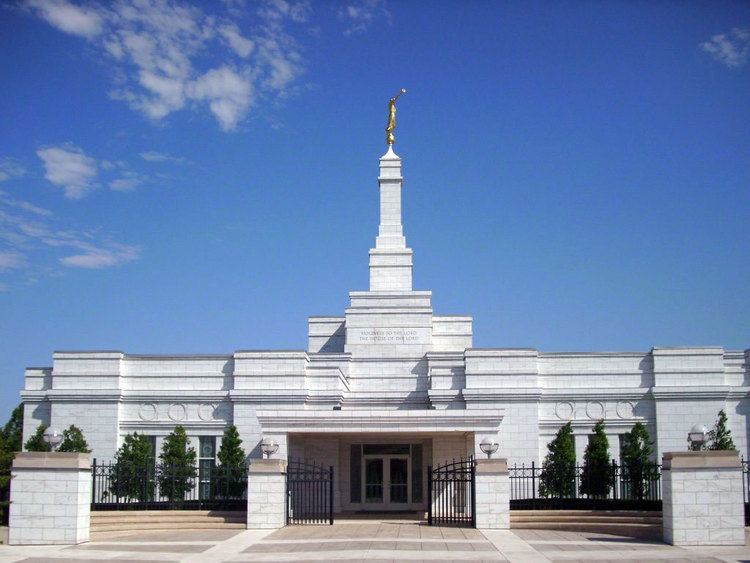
pixel 389 335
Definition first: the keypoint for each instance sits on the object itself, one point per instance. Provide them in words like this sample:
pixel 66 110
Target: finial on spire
pixel 389 138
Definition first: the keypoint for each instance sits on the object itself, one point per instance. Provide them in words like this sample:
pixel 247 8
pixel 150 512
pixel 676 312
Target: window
pixel 206 464
pixel 355 472
pixel 152 455
pixel 416 473
pixel 385 449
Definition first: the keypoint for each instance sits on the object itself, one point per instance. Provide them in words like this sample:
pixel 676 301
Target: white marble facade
pixel 391 371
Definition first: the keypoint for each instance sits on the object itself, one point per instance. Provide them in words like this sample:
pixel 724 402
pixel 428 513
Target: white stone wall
pixel 34 414
pixel 675 418
pixel 324 452
pixel 492 494
pixel 702 501
pixel 50 501
pixel 519 433
pixel 266 494
pixel 450 447
pixel 536 392
pixel 451 333
pixel 99 422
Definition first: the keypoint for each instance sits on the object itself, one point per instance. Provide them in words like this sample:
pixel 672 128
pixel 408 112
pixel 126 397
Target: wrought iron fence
pixel 745 487
pixel 309 490
pixel 451 494
pixel 621 487
pixel 4 497
pixel 121 486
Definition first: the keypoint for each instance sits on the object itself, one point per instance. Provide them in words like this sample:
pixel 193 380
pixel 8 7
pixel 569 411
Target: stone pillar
pixel 50 495
pixel 492 494
pixel 390 260
pixel 702 498
pixel 266 493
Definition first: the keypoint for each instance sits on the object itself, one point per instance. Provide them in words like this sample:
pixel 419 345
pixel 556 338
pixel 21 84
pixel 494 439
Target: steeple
pixel 390 260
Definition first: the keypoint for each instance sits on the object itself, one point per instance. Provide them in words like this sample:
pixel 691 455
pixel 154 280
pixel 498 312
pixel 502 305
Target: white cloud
pixel 25 205
pixel 228 93
pixel 67 17
pixel 10 259
pixel 280 9
pixel 358 16
pixel 241 45
pixel 730 49
pixel 96 257
pixel 9 168
pixel 69 167
pixel 161 53
pixel 127 182
pixel 29 238
pixel 154 156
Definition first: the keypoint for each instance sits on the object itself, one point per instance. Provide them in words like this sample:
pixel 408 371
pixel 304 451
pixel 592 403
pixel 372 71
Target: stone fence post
pixel 492 494
pixel 702 498
pixel 50 498
pixel 266 493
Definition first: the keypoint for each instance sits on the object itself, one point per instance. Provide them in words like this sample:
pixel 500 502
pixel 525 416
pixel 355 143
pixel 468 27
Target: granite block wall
pixel 50 499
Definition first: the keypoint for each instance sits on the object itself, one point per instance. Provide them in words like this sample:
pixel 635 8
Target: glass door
pixel 398 480
pixel 373 480
pixel 386 481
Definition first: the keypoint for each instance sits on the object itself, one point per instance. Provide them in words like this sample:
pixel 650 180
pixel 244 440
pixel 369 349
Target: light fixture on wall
pixel 269 447
pixel 53 437
pixel 488 446
pixel 697 437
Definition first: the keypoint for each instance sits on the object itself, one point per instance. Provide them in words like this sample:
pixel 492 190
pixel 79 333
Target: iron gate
pixel 451 494
pixel 309 490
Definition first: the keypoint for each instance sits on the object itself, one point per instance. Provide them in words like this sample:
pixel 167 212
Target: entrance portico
pixel 380 457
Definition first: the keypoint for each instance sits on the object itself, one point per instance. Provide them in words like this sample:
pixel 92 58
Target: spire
pixel 390 260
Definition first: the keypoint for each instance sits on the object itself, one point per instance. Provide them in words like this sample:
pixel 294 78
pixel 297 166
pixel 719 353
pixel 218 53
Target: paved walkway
pixel 367 541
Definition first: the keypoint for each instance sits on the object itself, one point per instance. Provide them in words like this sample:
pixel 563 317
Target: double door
pixel 386 482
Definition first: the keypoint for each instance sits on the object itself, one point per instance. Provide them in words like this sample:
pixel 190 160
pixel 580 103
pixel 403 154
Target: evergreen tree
pixel 132 475
pixel 639 472
pixel 10 443
pixel 73 441
pixel 36 443
pixel 229 481
pixel 596 480
pixel 12 432
pixel 558 475
pixel 721 437
pixel 230 450
pixel 177 470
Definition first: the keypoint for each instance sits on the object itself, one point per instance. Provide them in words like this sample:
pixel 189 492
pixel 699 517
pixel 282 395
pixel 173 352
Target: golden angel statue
pixel 389 138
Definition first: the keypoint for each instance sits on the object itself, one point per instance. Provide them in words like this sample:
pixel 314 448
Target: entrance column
pixel 702 497
pixel 50 498
pixel 492 490
pixel 266 493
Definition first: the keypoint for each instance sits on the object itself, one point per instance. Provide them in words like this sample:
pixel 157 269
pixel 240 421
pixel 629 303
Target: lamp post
pixel 697 437
pixel 269 447
pixel 53 437
pixel 488 446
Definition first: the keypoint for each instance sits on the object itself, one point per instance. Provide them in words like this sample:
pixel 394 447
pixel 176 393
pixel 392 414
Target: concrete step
pixel 643 531
pixel 123 520
pixel 166 521
pixel 644 513
pixel 168 526
pixel 637 524
pixel 582 518
pixel 116 513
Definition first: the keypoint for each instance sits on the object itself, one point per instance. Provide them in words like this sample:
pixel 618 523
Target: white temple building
pixel 388 388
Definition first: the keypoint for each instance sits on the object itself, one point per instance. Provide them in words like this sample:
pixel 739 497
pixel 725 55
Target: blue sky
pixel 200 178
